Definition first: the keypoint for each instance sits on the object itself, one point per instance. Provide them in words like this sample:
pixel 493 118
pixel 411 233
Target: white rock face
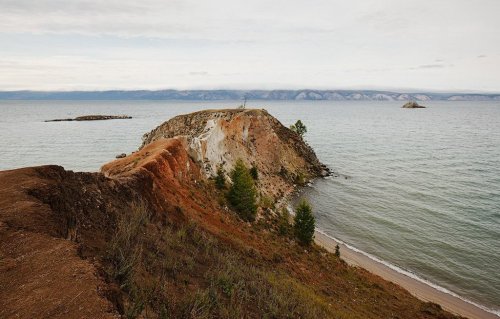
pixel 208 147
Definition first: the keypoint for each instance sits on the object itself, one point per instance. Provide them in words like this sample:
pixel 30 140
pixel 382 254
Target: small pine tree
pixel 304 223
pixel 254 172
pixel 284 222
pixel 242 194
pixel 220 178
pixel 299 127
pixel 337 250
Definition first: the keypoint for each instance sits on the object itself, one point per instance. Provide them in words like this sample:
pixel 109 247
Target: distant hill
pixel 332 95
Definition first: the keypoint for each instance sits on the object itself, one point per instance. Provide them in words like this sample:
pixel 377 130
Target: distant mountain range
pixel 333 95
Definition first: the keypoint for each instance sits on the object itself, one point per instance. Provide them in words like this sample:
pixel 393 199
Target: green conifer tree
pixel 242 194
pixel 284 226
pixel 304 223
pixel 220 178
pixel 299 127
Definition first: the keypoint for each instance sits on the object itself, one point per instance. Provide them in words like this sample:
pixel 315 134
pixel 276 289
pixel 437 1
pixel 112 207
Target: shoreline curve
pixel 416 286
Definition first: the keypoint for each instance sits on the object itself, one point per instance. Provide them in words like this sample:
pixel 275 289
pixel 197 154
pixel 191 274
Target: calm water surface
pixel 419 189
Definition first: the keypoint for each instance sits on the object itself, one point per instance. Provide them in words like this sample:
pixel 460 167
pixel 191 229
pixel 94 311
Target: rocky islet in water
pixel 93 118
pixel 412 105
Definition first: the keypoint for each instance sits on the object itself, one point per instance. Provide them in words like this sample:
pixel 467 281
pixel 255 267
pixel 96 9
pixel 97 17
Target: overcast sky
pixel 440 45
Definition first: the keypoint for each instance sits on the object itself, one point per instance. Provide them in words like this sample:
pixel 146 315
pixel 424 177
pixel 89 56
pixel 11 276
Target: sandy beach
pixel 415 287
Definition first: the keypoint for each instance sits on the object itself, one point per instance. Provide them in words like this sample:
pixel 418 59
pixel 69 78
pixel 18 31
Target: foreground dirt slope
pixel 151 237
pixel 42 275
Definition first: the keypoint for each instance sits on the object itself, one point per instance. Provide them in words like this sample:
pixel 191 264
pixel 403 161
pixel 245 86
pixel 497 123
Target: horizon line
pixel 399 91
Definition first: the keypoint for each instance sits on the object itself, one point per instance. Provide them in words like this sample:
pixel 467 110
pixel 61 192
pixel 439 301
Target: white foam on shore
pixel 410 274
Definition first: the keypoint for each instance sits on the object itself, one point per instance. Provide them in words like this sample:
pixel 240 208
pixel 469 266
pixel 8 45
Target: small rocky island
pixel 412 105
pixel 93 118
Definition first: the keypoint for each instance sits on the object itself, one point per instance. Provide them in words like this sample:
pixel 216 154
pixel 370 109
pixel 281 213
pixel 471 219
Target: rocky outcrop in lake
pixel 412 105
pixel 93 118
pixel 218 138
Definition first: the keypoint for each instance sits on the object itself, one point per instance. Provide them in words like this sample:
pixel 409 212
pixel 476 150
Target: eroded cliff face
pixel 220 137
pixel 167 178
pixel 50 219
pixel 55 226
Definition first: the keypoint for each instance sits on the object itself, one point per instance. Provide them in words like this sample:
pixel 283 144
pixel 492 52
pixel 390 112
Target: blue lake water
pixel 417 188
